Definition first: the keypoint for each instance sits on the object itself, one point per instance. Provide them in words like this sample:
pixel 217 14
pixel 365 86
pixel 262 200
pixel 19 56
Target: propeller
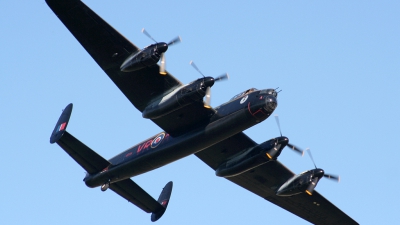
pixel 195 67
pixel 208 98
pixel 163 49
pixel 291 146
pixel 317 175
pixel 175 41
pixel 208 89
pixel 222 77
pixel 148 35
pixel 329 176
pixel 162 65
pixel 298 150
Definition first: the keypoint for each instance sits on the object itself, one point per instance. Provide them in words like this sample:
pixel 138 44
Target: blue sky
pixel 337 63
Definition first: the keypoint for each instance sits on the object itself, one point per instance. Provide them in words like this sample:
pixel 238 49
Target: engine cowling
pixel 252 157
pixel 178 98
pixel 146 57
pixel 304 182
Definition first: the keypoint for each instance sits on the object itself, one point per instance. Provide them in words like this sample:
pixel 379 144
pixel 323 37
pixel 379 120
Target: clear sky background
pixel 337 62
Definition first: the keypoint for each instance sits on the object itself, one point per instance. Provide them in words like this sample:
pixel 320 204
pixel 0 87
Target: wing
pixel 218 153
pixel 264 180
pixel 109 49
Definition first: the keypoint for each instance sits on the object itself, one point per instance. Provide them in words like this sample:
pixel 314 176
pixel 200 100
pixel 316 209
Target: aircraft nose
pixel 271 103
pixel 162 47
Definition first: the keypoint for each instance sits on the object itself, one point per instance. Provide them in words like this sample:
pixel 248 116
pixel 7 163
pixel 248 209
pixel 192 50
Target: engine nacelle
pixel 146 57
pixel 178 98
pixel 304 182
pixel 252 157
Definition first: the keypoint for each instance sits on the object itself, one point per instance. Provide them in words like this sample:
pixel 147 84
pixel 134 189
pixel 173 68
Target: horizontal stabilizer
pixel 139 197
pixel 82 154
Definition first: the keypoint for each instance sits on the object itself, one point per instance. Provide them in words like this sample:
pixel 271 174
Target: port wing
pixel 110 49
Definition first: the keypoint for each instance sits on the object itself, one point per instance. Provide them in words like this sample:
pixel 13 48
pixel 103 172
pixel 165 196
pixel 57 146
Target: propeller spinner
pixel 162 47
pixel 291 146
pixel 329 176
pixel 208 82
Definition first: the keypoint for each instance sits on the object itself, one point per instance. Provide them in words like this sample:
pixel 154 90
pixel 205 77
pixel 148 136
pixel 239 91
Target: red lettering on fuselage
pixel 144 146
pixel 147 144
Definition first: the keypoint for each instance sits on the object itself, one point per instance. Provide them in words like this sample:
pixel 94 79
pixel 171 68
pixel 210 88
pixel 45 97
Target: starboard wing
pixel 266 179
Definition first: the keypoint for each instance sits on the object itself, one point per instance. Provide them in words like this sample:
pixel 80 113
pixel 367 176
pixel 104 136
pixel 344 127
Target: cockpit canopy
pixel 243 93
pixel 265 91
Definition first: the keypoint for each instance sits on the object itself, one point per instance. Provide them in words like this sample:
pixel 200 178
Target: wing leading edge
pixel 265 179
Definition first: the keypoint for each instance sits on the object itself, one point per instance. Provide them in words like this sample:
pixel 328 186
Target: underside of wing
pixel 185 119
pixel 264 180
pixel 218 153
pixel 110 49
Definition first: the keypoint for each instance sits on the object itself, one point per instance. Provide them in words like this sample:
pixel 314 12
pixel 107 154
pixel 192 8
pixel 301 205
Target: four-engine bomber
pixel 189 126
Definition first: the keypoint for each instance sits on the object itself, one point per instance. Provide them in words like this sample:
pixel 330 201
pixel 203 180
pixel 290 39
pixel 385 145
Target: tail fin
pixel 83 155
pixel 61 125
pixel 163 200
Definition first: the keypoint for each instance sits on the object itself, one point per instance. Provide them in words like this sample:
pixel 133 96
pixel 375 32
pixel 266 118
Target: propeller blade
pixel 162 65
pixel 309 152
pixel 312 186
pixel 148 35
pixel 295 148
pixel 195 67
pixel 332 177
pixel 222 77
pixel 208 98
pixel 279 125
pixel 175 41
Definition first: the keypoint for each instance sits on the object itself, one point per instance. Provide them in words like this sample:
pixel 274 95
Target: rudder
pixel 61 125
